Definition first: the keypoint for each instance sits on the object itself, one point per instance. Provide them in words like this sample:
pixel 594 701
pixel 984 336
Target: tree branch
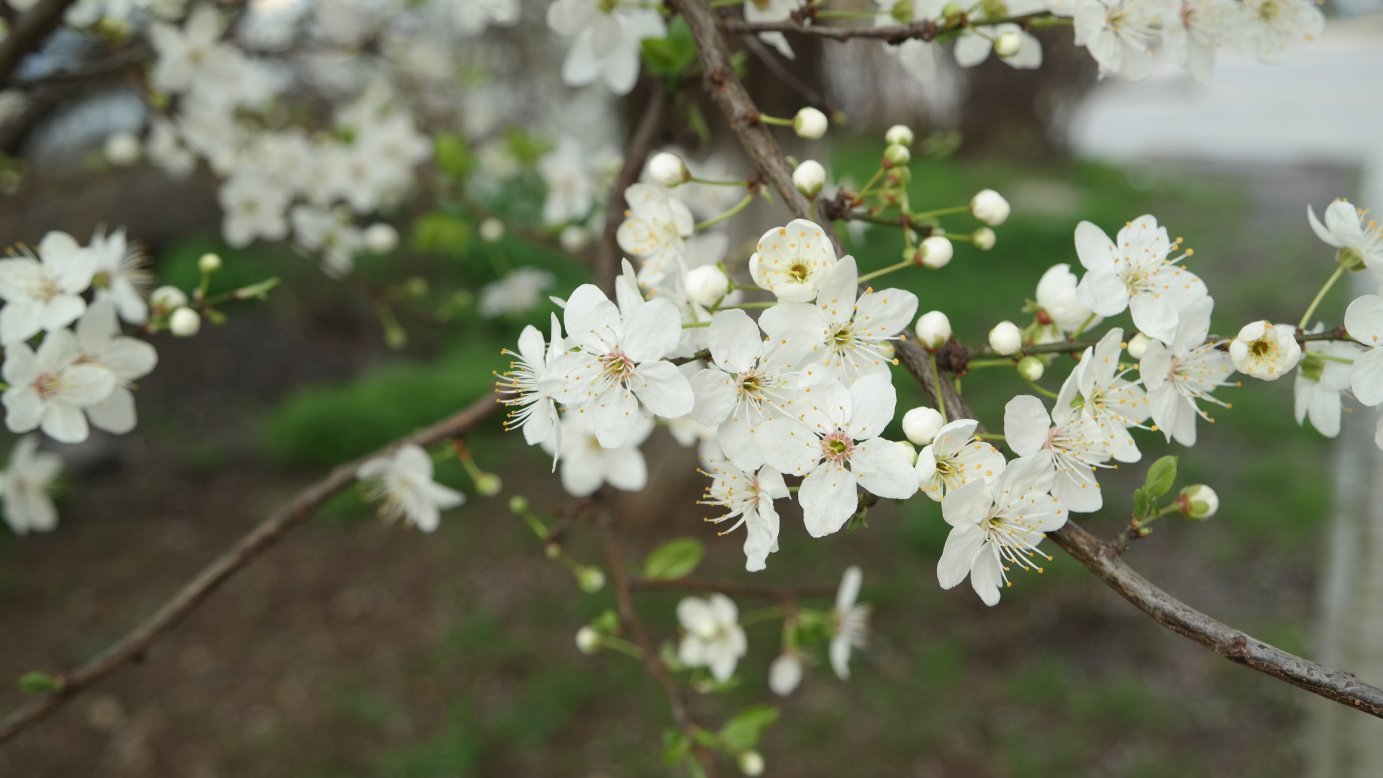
pixel 1097 556
pixel 636 153
pixel 29 33
pixel 134 644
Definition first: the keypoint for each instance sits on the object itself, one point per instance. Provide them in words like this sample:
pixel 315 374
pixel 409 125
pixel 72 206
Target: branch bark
pixel 1097 556
pixel 30 31
pixel 132 647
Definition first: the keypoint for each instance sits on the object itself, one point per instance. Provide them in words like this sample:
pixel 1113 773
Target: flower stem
pixel 992 436
pixel 883 271
pixel 1329 282
pixel 709 182
pixel 974 363
pixel 622 646
pixel 734 209
pixel 1083 325
pixel 920 215
pixel 1040 390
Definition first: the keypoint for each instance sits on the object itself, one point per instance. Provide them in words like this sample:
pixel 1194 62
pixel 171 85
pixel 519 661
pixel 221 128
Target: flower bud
pixel 989 207
pixel 899 135
pixel 553 551
pixel 587 640
pixel 518 503
pixel 1198 502
pixel 936 252
pixel 1138 345
pixel 1006 339
pixel 785 673
pixel 488 484
pixel 668 169
pixel 707 285
pixel 933 329
pixel 381 238
pixel 983 238
pixel 184 322
pixel 897 155
pixel 491 230
pixel 1031 368
pixel 209 263
pixel 922 424
pixel 1265 350
pixel 166 298
pixel 574 239
pixel 752 763
pixel 809 177
pixel 1008 44
pixel 810 123
pixel 590 579
pixel 908 449
pixel 122 149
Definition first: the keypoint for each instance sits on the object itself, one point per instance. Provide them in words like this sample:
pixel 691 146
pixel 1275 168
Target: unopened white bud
pixel 184 322
pixel 209 263
pixel 810 123
pixel 492 230
pixel 936 252
pixel 933 329
pixel 574 239
pixel 1138 345
pixel 899 135
pixel 989 207
pixel 1031 368
pixel 752 763
pixel 590 579
pixel 1006 339
pixel 983 238
pixel 707 285
pixel 896 155
pixel 123 149
pixel 809 177
pixel 381 238
pixel 922 424
pixel 1198 502
pixel 587 640
pixel 166 298
pixel 668 169
pixel 1008 43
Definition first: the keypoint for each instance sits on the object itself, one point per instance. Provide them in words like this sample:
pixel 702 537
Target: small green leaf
pixel 38 682
pixel 1161 476
pixel 441 233
pixel 742 733
pixel 674 559
pixel 676 746
pixel 1142 504
pixel 454 156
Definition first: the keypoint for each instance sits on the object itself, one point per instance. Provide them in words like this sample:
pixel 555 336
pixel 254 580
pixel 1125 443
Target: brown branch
pixel 95 70
pixel 629 616
pixel 607 264
pixel 922 31
pixel 738 589
pixel 1099 557
pixel 1077 346
pixel 132 647
pixel 29 33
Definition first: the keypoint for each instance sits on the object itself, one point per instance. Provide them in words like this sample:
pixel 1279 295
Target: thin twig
pixel 136 642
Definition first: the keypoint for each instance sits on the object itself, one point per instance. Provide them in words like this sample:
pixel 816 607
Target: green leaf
pixel 1142 504
pixel 672 56
pixel 742 733
pixel 38 682
pixel 442 233
pixel 674 559
pixel 1161 476
pixel 676 746
pixel 454 156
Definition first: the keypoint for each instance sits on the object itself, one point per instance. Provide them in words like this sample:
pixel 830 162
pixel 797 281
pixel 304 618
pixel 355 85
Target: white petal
pixel 828 499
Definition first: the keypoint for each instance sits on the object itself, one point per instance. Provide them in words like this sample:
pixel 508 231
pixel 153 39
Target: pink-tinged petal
pixel 662 388
pixel 883 468
pixel 1026 425
pixel 828 499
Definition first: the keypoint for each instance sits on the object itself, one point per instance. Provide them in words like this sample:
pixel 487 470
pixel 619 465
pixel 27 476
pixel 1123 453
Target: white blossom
pixel 1364 321
pixel 1118 34
pixel 128 359
pixel 1059 309
pixel 1106 398
pixel 712 637
pixel 586 464
pixel 402 483
pixel 1135 272
pixel 792 261
pixel 1358 238
pixel 24 486
pixel 517 293
pixel 850 622
pixel 51 389
pixel 785 673
pixel 42 292
pixel 918 57
pixel 956 457
pixel 1266 27
pixel 1324 373
pixel 747 497
pixel 772 11
pixel 608 37
pixel 1068 444
pixel 655 230
pixel 1265 350
pixel 1182 371
pixel 522 386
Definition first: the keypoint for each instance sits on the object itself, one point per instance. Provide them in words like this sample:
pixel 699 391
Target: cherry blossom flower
pixel 517 293
pixel 655 230
pixel 712 635
pixel 128 359
pixel 1265 350
pixel 607 40
pixel 120 275
pixel 996 528
pixel 620 363
pixel 1106 398
pixel 42 292
pixel 1135 272
pixel 749 383
pixel 189 54
pixel 1183 371
pixel 749 497
pixel 956 457
pixel 850 622
pixel 1364 320
pixel 1193 29
pixel 917 57
pixel 49 390
pixel 973 48
pixel 785 673
pixel 1266 27
pixel 1118 34
pixel 837 447
pixel 772 11
pixel 570 182
pixel 253 206
pixel 472 16
pixel 1323 375
pixel 24 486
pixel 523 389
pixel 1059 309
pixel 1358 238
pixel 1067 443
pixel 587 464
pixel 402 482
pixel 848 331
pixel 792 262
